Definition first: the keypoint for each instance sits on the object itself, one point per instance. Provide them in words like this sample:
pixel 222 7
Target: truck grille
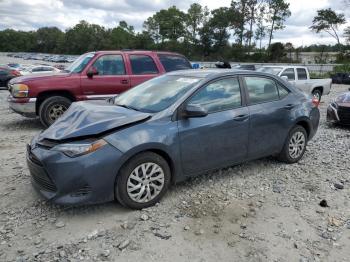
pixel 344 114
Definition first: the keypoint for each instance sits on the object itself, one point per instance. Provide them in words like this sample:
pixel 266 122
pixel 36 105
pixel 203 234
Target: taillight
pixel 315 102
pixel 15 73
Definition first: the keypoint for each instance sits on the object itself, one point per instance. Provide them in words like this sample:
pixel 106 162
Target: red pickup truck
pixel 94 75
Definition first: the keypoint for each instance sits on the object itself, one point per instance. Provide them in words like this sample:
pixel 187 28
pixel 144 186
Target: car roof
pixel 129 51
pixel 213 73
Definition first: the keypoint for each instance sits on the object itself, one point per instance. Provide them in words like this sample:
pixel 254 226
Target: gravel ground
pixel 258 211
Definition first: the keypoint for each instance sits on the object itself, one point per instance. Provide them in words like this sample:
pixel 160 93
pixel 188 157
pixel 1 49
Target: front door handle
pixel 124 81
pixel 242 117
pixel 289 106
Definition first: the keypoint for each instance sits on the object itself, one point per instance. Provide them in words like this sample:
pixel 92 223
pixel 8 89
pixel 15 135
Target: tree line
pixel 233 33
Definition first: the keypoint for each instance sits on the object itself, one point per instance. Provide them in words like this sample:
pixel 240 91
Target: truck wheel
pixel 52 108
pixel 317 94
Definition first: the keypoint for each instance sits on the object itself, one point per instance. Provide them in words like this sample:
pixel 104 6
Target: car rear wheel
pixel 52 108
pixel 142 181
pixel 295 145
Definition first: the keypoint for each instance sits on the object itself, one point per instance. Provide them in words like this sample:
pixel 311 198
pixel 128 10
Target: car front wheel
pixel 52 108
pixel 142 181
pixel 295 145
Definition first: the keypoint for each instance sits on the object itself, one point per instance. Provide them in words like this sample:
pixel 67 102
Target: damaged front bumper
pixel 64 180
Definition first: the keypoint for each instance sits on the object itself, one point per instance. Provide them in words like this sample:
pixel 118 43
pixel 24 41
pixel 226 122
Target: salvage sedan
pixel 166 130
pixel 338 111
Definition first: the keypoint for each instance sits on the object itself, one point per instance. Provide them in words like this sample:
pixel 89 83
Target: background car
pixel 6 74
pixel 341 78
pixel 339 110
pixel 43 69
pixel 166 130
pixel 299 77
pixel 93 76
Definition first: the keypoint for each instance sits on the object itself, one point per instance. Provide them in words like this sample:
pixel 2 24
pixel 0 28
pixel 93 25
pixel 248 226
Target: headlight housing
pixel 19 90
pixel 79 149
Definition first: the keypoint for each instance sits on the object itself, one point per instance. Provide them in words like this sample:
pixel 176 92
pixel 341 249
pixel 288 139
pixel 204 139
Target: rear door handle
pixel 241 117
pixel 289 106
pixel 124 81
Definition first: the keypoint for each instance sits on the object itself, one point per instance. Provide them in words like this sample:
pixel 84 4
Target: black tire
pixel 121 185
pixel 48 105
pixel 285 155
pixel 318 94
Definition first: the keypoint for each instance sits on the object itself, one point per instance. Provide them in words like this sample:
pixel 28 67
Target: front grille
pixel 39 174
pixel 344 114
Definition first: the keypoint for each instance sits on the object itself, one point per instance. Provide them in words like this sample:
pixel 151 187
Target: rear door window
pixel 261 90
pixel 283 92
pixel 143 65
pixel 289 72
pixel 110 65
pixel 174 62
pixel 302 75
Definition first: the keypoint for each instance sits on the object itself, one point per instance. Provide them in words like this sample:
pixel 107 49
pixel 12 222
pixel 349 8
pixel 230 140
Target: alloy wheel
pixel 297 144
pixel 145 182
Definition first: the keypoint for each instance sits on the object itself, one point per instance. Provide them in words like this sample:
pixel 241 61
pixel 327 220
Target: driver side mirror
pixel 285 78
pixel 194 111
pixel 91 72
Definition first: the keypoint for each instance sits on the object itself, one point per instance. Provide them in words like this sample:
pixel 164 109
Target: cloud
pixel 30 15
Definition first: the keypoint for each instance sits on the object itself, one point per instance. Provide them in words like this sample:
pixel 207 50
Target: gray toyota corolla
pixel 168 129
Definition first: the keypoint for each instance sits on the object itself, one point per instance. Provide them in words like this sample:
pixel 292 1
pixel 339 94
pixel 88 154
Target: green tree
pixel 121 37
pixel 49 39
pixel 219 24
pixel 277 52
pixel 328 21
pixel 196 16
pixel 167 24
pixel 278 13
pixel 289 47
pixel 239 17
pixel 84 37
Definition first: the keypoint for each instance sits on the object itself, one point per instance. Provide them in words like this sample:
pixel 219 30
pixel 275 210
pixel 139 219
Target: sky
pixel 31 14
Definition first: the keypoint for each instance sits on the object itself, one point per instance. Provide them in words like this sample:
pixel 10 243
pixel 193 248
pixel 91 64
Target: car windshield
pixel 80 63
pixel 157 94
pixel 271 70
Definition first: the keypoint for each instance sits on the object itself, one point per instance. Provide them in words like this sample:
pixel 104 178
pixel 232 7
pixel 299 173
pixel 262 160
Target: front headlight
pixel 75 150
pixel 19 90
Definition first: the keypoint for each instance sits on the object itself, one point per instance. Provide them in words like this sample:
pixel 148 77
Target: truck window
pixel 110 65
pixel 174 62
pixel 143 65
pixel 302 75
pixel 289 72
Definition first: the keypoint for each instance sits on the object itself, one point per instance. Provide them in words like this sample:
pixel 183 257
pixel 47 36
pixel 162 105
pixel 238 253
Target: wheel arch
pixel 305 123
pixel 317 88
pixel 46 94
pixel 157 150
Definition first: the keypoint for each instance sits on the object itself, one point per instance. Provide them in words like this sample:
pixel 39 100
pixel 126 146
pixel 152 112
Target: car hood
pixel 344 100
pixel 39 76
pixel 91 118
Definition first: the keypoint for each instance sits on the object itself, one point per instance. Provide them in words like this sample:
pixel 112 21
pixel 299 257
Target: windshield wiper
pixel 128 107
